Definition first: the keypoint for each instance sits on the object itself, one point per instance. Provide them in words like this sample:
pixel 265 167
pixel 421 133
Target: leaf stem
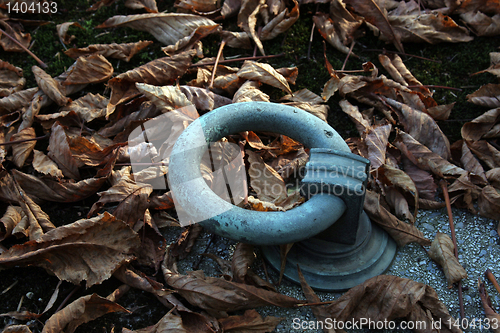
pixel 40 62
pixel 434 86
pixel 239 59
pixel 444 187
pixel 222 44
pixel 402 53
pixel 25 140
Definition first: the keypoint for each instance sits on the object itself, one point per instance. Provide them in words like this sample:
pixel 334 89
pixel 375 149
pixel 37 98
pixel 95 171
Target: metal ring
pixel 261 228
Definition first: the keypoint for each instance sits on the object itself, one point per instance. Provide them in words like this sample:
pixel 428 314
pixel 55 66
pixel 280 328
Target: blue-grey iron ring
pixel 260 228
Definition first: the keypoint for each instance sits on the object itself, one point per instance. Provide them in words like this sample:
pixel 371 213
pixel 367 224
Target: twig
pixel 265 271
pixel 40 62
pixel 311 36
pixel 405 54
pixel 434 86
pixel 494 144
pixel 491 277
pixel 318 303
pixel 354 71
pixel 239 59
pixel 9 287
pixel 444 187
pixel 63 303
pixel 25 140
pixel 310 41
pixel 348 55
pixel 210 241
pixel 222 44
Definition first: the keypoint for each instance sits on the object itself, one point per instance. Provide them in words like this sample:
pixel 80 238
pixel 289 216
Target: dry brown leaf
pixel 482 24
pixel 264 180
pixel 167 28
pixel 123 51
pixel 412 25
pixel 22 150
pixel 493 177
pixel 403 233
pixel 39 221
pixel 486 152
pixel 49 86
pixel 243 258
pixel 423 180
pixel 158 72
pixel 471 164
pixel 11 79
pixel 250 92
pixel 362 124
pixel 264 73
pixel 166 98
pixel 17 100
pixel 488 96
pixel 320 312
pixel 90 69
pixel 489 202
pixel 489 310
pixel 377 16
pixel 192 41
pixel 90 250
pixel 281 23
pixel 88 152
pixel 88 107
pixel 250 321
pixel 59 152
pixel 9 221
pixel 147 5
pixel 204 99
pixel 218 296
pixel 142 282
pixel 14 29
pixel 442 251
pixel 200 6
pixel 440 112
pixel 58 191
pixel 423 129
pixel 346 22
pixel 62 31
pixel 394 177
pixel 169 323
pixel 386 297
pixel 424 158
pixel 16 329
pixel 240 40
pixel 328 31
pixel 247 19
pixel 43 164
pixel 83 310
pixel 478 128
pixel 376 139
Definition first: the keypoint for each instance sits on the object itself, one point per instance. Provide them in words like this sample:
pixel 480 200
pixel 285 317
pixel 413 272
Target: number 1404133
pixel 22 7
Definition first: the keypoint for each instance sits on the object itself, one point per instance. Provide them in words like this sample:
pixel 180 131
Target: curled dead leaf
pixel 88 250
pixel 403 233
pixel 441 251
pixel 123 51
pixel 83 310
pixel 90 69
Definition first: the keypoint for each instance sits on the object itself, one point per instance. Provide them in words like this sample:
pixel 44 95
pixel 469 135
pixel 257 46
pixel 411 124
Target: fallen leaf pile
pixel 63 142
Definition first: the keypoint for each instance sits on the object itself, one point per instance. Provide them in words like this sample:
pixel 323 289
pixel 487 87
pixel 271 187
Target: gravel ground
pixel 479 250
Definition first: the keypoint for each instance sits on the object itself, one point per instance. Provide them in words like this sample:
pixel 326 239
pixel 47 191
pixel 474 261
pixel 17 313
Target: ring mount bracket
pixel 342 174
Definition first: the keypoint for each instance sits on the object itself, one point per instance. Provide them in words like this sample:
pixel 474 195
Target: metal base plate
pixel 329 266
